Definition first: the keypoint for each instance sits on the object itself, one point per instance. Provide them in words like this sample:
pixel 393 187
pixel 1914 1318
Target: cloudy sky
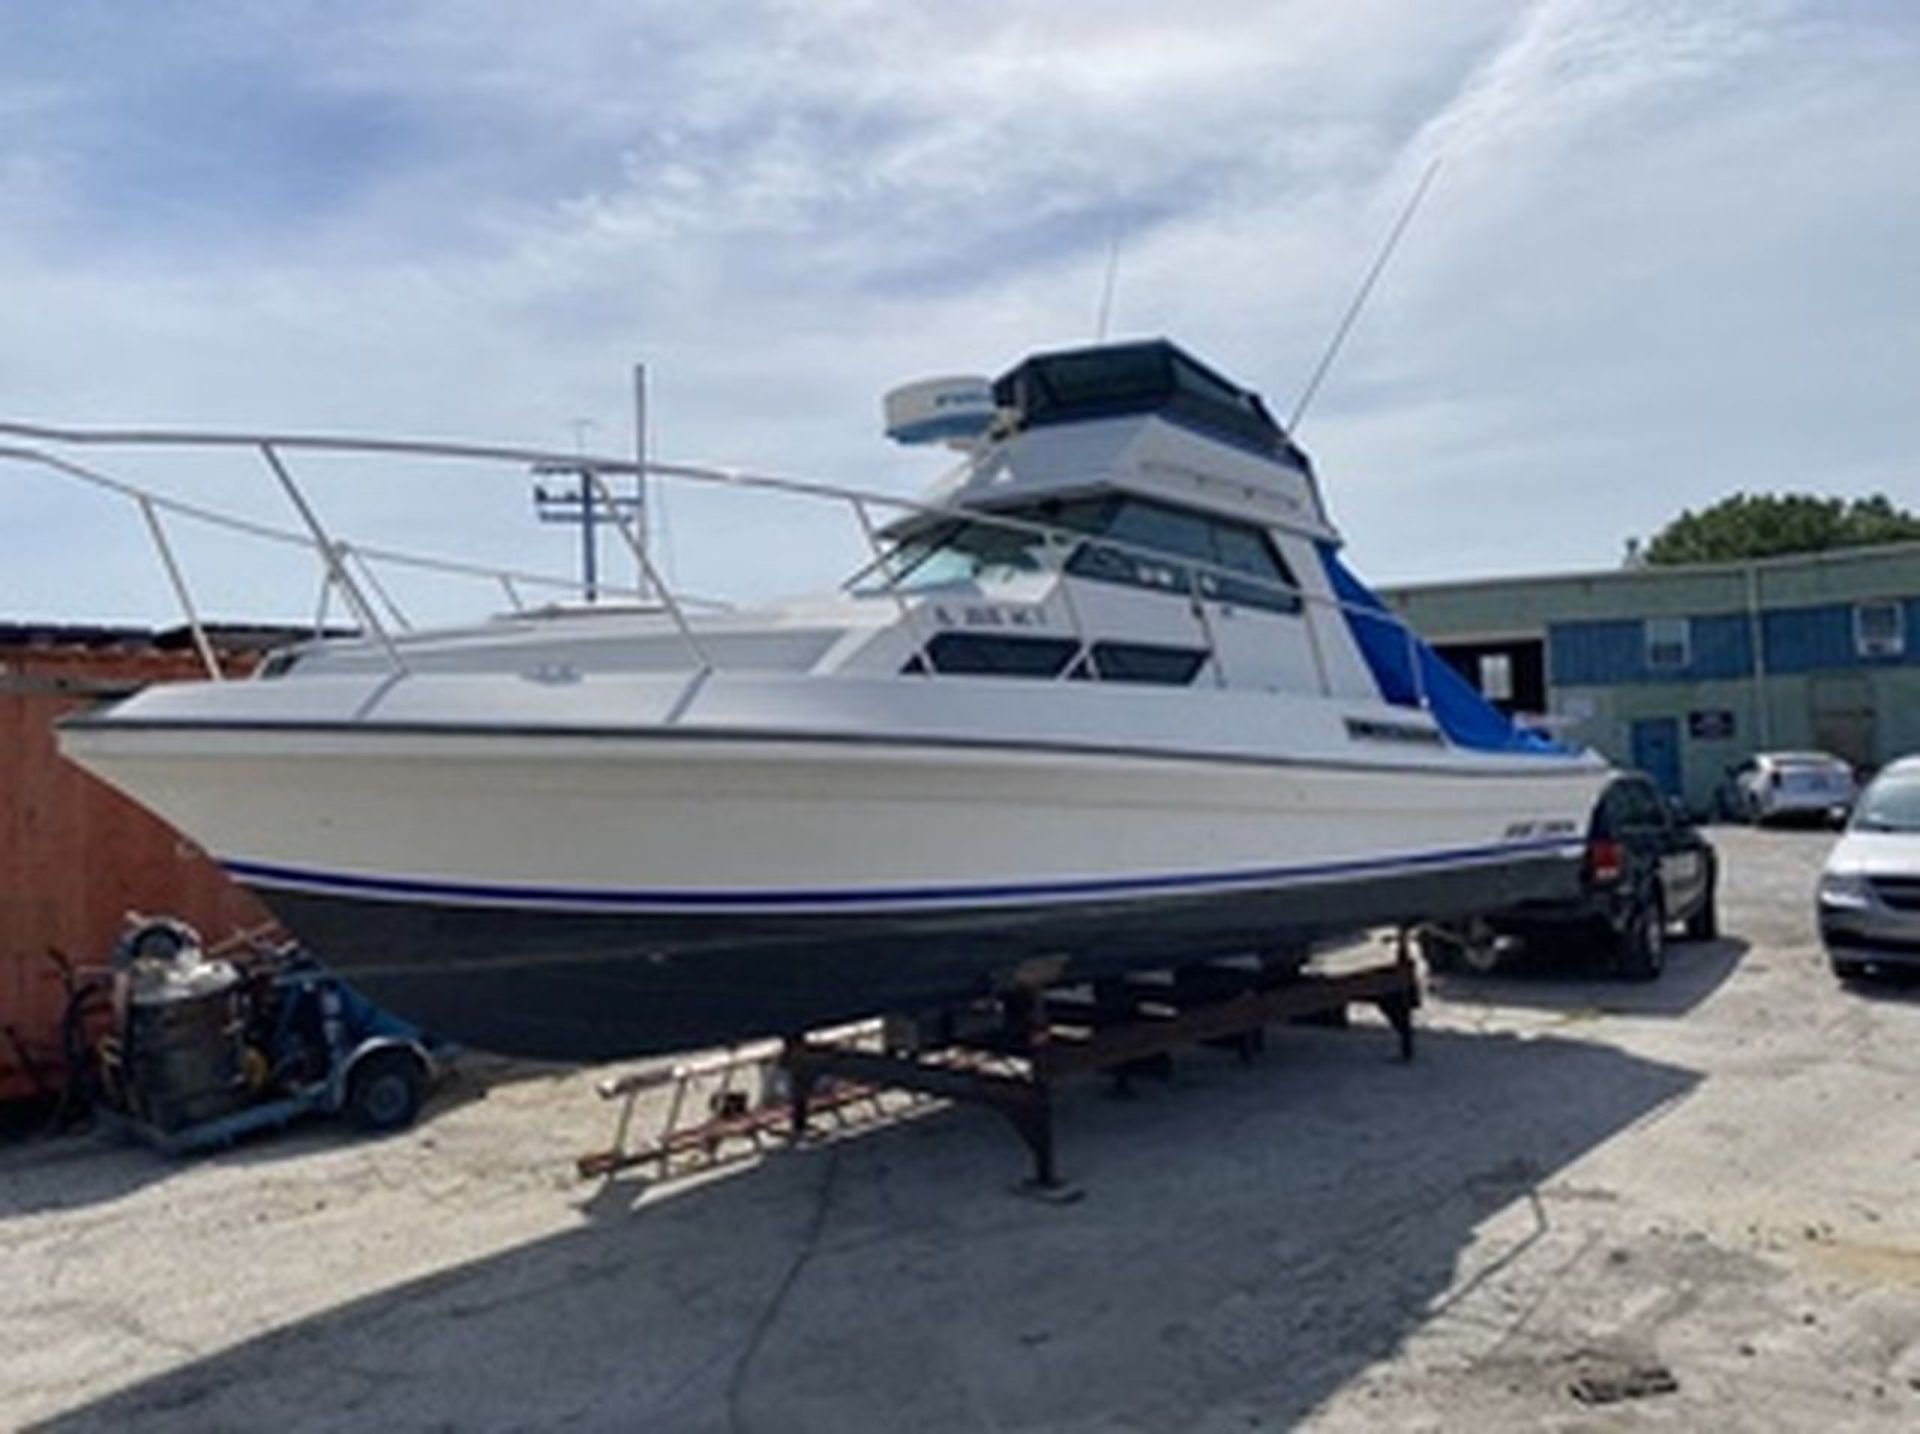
pixel 1673 250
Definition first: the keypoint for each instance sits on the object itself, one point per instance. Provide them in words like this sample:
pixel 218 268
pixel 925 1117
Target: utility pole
pixel 580 503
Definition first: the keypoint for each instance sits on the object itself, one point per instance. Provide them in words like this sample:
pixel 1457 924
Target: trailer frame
pixel 1006 1055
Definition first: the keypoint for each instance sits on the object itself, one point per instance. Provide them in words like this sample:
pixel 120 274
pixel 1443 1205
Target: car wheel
pixel 385 1090
pixel 1640 947
pixel 1704 924
pixel 1847 969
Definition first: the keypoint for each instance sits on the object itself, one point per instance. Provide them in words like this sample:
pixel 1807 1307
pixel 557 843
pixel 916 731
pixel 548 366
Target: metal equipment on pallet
pixel 1006 1053
pixel 194 1048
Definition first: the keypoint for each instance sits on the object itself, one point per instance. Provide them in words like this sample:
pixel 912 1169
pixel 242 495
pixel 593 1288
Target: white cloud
pixel 1668 254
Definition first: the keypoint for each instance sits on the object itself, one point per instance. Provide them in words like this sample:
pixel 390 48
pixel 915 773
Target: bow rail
pixel 350 567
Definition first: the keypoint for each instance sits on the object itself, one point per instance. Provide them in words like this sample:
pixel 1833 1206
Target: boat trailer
pixel 1006 1053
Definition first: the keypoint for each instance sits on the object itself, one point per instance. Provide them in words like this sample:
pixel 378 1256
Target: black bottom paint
pixel 585 986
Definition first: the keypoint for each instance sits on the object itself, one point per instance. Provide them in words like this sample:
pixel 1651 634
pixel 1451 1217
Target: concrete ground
pixel 1712 1181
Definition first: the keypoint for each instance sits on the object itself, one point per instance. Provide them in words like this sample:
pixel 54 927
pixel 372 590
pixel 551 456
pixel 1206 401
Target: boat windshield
pixel 959 551
pixel 1891 804
pixel 964 553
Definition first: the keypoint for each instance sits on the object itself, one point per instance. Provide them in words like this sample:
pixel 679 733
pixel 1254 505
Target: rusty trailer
pixel 1006 1054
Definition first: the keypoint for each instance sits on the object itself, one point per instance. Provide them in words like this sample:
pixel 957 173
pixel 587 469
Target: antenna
pixel 1360 296
pixel 1106 291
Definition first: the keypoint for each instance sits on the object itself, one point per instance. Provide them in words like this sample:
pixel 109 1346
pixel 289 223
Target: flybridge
pixel 1156 377
pixel 1142 417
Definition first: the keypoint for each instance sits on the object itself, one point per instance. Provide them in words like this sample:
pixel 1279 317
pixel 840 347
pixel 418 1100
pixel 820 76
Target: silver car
pixel 1769 785
pixel 1870 891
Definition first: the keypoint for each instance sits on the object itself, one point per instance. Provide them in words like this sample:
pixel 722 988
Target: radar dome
pixel 956 409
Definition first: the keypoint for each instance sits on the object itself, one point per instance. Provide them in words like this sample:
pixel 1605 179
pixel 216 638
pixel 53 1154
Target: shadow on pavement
pixel 1568 978
pixel 92 1164
pixel 1263 1231
pixel 1899 984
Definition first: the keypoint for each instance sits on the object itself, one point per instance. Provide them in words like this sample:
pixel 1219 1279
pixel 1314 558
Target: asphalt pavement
pixel 1689 1204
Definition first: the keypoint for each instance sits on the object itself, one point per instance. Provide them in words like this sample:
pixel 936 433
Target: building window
pixel 1879 629
pixel 1496 676
pixel 1669 643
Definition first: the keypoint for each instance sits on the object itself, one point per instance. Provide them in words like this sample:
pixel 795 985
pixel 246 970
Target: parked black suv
pixel 1647 869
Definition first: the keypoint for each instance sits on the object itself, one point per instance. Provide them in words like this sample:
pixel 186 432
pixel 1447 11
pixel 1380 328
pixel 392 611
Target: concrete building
pixel 1685 671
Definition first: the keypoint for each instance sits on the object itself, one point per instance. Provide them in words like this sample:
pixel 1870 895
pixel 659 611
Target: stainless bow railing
pixel 351 568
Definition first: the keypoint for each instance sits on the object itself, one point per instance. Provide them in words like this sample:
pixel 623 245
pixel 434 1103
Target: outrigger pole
pixel 1360 297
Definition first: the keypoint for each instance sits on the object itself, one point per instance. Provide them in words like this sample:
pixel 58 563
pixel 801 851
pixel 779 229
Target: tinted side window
pixel 1110 565
pixel 1165 530
pixel 1146 662
pixel 1248 550
pixel 976 653
pixel 1182 533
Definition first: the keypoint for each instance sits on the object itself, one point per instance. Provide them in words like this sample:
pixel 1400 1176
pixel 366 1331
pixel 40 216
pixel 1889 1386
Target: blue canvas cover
pixel 1405 667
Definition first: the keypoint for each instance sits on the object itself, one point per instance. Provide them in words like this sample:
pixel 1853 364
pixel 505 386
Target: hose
pixel 82 1087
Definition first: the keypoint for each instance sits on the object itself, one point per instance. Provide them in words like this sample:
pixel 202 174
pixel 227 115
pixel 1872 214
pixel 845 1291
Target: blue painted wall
pixel 1600 654
pixel 1797 639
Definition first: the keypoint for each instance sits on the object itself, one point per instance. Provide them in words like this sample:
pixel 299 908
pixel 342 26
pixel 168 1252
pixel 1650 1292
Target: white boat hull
pixel 593 894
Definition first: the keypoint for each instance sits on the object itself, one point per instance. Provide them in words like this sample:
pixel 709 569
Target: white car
pixel 1782 784
pixel 1869 898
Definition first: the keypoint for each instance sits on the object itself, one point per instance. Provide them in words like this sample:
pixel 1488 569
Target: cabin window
pixel 1249 550
pixel 957 553
pixel 1669 643
pixel 960 552
pixel 1143 662
pixel 1223 542
pixel 981 655
pixel 1110 565
pixel 1162 528
pixel 966 551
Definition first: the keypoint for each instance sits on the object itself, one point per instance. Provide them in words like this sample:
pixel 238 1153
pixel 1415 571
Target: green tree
pixel 1765 525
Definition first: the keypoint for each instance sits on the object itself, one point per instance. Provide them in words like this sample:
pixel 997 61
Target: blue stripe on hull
pixel 408 889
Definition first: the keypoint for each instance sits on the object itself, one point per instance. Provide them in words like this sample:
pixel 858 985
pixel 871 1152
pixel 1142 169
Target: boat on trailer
pixel 1108 698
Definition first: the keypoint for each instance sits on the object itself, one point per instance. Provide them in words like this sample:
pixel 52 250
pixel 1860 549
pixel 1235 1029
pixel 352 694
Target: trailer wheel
pixel 1460 946
pixel 385 1090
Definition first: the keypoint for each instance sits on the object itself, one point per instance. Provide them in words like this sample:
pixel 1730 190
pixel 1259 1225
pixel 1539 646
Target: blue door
pixel 1656 750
